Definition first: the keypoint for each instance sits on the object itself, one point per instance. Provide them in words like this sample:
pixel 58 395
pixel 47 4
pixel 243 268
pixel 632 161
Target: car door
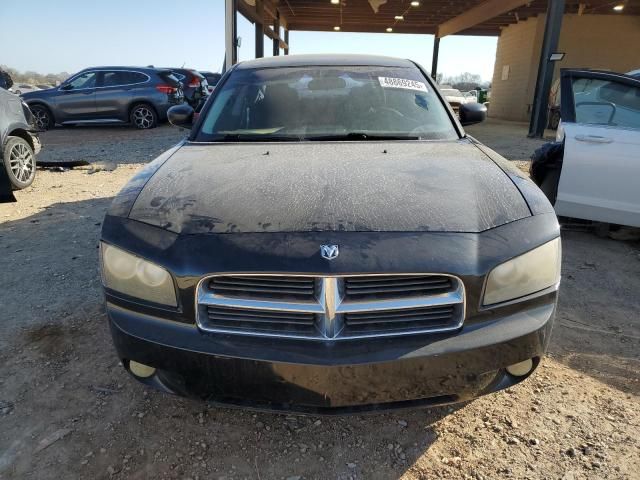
pixel 77 98
pixel 601 131
pixel 114 93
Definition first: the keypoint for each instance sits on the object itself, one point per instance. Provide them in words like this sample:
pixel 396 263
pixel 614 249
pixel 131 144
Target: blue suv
pixel 140 96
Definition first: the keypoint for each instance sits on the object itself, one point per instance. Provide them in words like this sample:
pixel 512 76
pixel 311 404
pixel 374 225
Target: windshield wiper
pixel 361 136
pixel 243 137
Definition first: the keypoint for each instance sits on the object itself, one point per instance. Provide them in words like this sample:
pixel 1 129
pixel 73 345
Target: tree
pixel 464 81
pixel 35 77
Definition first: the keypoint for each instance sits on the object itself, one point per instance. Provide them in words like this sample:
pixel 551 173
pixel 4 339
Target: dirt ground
pixel 68 410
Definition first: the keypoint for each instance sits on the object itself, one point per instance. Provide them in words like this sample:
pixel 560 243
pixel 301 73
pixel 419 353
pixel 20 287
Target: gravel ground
pixel 108 144
pixel 68 410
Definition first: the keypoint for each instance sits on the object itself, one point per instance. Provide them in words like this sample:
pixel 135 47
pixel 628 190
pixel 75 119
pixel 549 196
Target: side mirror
pixel 471 113
pixel 66 86
pixel 181 115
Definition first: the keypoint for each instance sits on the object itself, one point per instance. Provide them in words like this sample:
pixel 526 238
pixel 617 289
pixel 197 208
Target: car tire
pixel 143 116
pixel 549 185
pixel 19 162
pixel 42 117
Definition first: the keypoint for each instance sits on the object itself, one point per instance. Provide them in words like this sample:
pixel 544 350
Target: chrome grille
pixel 264 286
pixel 266 321
pixel 399 320
pixel 331 307
pixel 393 285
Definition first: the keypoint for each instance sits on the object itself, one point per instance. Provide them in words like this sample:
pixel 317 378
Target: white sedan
pixel 600 169
pixel 20 88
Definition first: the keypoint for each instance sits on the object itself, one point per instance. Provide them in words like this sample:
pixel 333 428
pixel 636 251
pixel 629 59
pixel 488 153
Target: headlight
pixel 136 277
pixel 526 274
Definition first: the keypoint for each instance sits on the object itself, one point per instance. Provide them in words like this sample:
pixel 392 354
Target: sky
pixel 69 35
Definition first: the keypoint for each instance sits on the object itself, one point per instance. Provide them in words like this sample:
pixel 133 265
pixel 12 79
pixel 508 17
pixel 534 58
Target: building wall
pixel 608 42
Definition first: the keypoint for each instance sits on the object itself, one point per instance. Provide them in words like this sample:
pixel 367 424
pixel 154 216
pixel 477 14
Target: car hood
pixel 39 94
pixel 437 186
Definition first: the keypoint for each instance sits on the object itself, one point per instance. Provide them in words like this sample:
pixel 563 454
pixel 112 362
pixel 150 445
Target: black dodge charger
pixel 328 239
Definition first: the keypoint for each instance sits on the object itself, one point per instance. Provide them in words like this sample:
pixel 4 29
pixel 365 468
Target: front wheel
pixel 19 162
pixel 42 117
pixel 143 116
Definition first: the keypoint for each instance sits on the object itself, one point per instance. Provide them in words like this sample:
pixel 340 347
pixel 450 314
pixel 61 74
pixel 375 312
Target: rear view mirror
pixel 66 86
pixel 181 115
pixel 326 83
pixel 471 113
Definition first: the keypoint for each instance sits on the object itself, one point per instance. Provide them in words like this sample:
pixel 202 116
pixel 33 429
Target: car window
pixel 116 78
pixel 302 103
pixel 212 78
pixel 84 80
pixel 603 102
pixel 136 77
pixel 169 77
pixel 112 79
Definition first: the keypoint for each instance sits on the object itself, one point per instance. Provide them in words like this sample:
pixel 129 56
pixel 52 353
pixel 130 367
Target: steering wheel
pixel 392 110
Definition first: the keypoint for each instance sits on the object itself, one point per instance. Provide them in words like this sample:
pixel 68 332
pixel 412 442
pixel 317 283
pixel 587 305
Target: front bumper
pixel 335 377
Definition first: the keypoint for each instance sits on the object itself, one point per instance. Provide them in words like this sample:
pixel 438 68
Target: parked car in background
pixel 19 145
pixel 140 96
pixel 454 97
pixel 596 177
pixel 212 79
pixel 634 73
pixel 20 88
pixel 329 239
pixel 194 85
pixel 471 96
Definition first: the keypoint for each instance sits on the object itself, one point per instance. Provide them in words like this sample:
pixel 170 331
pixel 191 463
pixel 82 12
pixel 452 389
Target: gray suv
pixel 108 95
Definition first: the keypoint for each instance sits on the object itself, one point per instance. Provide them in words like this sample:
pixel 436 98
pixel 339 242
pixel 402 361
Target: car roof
pixel 324 60
pixel 123 67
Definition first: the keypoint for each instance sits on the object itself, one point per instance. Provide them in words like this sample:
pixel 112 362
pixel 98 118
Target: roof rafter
pixel 477 15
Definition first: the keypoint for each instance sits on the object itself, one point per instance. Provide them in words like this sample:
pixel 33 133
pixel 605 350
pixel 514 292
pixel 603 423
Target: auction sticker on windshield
pixel 390 82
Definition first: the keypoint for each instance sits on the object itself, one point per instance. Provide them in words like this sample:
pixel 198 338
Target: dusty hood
pixel 448 186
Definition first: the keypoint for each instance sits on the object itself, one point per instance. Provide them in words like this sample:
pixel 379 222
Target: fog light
pixel 521 368
pixel 141 370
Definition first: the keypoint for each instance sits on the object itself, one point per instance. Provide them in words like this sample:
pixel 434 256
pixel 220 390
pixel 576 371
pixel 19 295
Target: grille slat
pixel 389 290
pixel 398 313
pixel 257 282
pixel 390 286
pixel 362 305
pixel 391 283
pixel 264 286
pixel 259 314
pixel 395 319
pixel 261 320
pixel 275 291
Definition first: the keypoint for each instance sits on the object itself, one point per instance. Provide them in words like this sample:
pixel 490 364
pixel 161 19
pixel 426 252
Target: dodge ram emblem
pixel 329 251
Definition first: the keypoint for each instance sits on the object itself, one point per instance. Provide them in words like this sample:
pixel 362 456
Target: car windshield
pixel 326 103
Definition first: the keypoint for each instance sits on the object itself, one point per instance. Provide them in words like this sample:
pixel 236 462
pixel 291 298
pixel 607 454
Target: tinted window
pixel 112 79
pixel 212 78
pixel 302 103
pixel 85 80
pixel 116 78
pixel 602 102
pixel 169 78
